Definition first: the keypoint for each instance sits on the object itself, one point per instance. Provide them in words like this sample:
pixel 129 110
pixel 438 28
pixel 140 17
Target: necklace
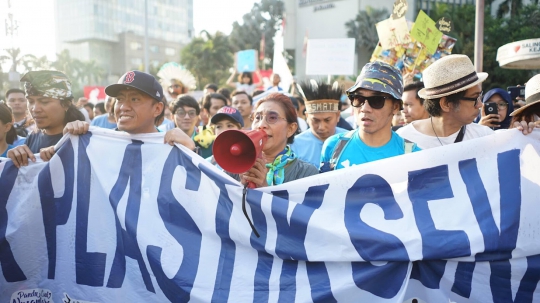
pixel 432 127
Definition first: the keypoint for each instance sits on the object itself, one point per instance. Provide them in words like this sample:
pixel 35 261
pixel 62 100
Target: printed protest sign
pixel 425 31
pixel 393 32
pixel 246 61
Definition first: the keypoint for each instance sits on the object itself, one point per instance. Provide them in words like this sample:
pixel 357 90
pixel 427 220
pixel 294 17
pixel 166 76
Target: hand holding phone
pixel 490 115
pixel 516 91
pixel 491 108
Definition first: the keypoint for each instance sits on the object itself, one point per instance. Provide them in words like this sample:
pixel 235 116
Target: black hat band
pixel 452 86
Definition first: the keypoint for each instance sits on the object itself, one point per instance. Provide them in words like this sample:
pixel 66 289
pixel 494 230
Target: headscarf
pixel 505 124
pixel 47 83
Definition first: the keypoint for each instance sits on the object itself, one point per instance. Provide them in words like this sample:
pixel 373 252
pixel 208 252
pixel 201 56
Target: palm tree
pixel 363 29
pixel 37 63
pixel 90 72
pixel 208 57
pixel 66 64
pixel 14 55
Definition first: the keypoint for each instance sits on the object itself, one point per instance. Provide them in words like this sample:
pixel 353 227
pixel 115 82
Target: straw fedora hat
pixel 449 75
pixel 532 94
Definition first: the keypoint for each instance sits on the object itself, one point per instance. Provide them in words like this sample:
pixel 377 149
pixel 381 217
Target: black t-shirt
pixel 38 140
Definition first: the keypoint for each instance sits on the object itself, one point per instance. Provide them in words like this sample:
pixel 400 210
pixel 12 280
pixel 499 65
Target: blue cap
pixel 138 80
pixel 380 77
pixel 228 112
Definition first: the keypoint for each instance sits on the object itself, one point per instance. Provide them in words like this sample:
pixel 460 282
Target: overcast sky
pixel 36 33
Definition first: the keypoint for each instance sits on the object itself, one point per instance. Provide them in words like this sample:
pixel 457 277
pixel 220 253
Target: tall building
pixel 112 32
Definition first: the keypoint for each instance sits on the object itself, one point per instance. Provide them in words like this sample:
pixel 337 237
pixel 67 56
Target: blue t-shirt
pixel 166 125
pixel 5 152
pixel 101 121
pixel 307 147
pixel 356 152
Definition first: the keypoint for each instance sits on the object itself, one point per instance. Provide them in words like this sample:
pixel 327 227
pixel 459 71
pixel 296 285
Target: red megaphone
pixel 237 150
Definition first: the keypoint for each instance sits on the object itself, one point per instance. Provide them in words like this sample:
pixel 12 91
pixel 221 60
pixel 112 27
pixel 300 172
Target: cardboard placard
pixel 444 25
pixel 330 57
pixel 399 9
pixel 393 32
pixel 246 60
pixel 425 31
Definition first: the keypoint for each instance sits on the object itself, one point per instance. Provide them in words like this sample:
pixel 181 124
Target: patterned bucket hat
pixel 380 77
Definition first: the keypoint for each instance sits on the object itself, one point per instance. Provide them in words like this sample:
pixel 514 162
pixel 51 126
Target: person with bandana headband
pixel 49 98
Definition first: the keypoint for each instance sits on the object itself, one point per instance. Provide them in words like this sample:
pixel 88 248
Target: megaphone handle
pixel 245 211
pixel 251 185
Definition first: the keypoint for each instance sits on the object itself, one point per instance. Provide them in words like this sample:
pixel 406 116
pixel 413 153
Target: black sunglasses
pixel 375 102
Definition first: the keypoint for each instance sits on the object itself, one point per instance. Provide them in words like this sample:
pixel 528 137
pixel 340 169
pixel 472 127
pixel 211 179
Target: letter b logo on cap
pixel 130 76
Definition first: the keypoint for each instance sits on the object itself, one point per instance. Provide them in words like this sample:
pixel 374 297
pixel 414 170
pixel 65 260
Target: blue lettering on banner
pixel 427 185
pixel 228 247
pixel 289 245
pixel 89 267
pixel 373 244
pixel 10 268
pixel 56 210
pixel 126 240
pixel 498 246
pixel 177 289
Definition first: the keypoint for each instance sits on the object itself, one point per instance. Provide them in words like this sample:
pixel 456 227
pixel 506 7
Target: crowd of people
pixel 317 127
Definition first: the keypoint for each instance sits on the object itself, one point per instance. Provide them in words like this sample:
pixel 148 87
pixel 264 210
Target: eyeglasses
pixel 176 86
pixel 270 117
pixel 476 100
pixel 182 113
pixel 500 105
pixel 375 102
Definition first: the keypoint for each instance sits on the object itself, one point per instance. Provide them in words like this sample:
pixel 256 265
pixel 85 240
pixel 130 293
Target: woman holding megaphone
pixel 275 115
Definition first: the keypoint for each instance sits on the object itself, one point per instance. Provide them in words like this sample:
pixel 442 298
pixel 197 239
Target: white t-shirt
pixel 245 87
pixel 302 124
pixel 423 141
pixel 85 114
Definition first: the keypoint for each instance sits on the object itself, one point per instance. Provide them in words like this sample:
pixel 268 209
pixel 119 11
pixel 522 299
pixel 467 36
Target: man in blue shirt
pixel 376 97
pixel 322 115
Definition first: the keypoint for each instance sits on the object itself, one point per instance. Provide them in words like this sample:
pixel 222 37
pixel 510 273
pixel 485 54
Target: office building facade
pixel 112 32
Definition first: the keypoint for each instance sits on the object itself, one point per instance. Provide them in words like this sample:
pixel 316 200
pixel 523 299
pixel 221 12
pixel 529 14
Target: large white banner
pixel 119 218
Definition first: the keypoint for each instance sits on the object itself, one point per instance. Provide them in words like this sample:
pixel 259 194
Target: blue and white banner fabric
pixel 120 218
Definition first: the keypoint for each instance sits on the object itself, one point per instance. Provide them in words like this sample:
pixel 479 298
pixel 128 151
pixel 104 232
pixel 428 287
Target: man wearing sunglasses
pixel 376 97
pixel 453 98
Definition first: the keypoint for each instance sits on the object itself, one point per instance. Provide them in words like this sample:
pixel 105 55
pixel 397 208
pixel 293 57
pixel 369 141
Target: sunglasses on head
pixel 375 102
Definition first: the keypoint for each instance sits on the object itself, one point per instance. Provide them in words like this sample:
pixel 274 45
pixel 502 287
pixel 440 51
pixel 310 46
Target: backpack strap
pixel 408 146
pixel 340 146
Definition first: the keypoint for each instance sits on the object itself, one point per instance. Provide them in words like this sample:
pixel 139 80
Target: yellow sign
pixel 425 31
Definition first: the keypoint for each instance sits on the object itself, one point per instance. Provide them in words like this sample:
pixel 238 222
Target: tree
pixel 16 58
pixel 208 57
pixel 68 65
pixel 363 29
pixel 90 72
pixel 37 63
pixel 265 19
